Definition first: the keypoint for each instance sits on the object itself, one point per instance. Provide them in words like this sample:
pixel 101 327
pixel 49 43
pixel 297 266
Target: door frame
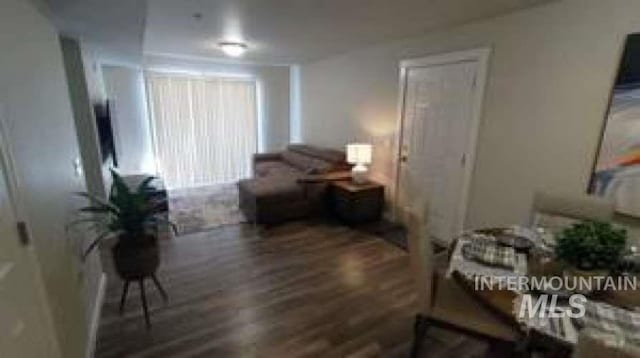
pixel 480 55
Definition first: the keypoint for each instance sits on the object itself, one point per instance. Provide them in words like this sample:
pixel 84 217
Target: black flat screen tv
pixel 105 133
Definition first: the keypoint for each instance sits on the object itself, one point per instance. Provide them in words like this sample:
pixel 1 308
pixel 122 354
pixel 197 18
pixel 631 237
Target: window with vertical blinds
pixel 205 128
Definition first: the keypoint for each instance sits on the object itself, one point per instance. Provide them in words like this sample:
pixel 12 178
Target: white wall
pixel 78 79
pixel 91 58
pixel 85 90
pixel 35 97
pixel 127 100
pixel 551 71
pixel 273 82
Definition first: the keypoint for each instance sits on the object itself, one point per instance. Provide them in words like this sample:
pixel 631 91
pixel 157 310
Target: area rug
pixel 204 208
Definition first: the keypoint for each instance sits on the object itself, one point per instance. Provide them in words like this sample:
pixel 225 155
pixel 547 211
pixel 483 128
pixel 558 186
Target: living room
pixel 333 178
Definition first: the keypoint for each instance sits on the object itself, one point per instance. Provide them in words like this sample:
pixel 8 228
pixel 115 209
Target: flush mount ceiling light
pixel 233 49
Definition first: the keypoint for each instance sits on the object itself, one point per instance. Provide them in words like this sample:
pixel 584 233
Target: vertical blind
pixel 205 128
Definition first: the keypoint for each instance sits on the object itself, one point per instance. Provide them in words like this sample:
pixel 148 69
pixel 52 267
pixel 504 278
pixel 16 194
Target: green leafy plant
pixel 590 245
pixel 130 215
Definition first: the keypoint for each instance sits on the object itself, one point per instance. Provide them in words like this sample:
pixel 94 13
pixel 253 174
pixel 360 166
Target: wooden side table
pixel 357 203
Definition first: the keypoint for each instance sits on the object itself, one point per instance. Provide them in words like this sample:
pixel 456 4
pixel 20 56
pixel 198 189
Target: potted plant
pixel 131 216
pixel 590 248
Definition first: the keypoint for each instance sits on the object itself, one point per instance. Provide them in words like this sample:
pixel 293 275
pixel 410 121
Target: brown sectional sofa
pixel 290 184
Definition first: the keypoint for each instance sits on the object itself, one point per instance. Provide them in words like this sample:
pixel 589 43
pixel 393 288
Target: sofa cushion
pixel 297 160
pixel 275 168
pixel 272 189
pixel 319 166
pixel 305 162
pixel 328 155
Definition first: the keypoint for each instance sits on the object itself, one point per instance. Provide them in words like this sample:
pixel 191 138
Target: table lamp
pixel 359 154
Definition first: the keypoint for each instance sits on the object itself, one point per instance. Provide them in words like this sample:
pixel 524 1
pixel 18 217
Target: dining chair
pixel 555 212
pixel 443 302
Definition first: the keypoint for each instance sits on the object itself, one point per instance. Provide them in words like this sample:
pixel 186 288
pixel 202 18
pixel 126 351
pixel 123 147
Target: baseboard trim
pixel 95 316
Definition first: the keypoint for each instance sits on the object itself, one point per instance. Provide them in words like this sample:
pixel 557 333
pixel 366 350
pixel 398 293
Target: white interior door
pixel 439 126
pixel 25 327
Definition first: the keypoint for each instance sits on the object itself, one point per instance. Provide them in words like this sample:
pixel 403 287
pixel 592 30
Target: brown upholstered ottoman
pixel 269 201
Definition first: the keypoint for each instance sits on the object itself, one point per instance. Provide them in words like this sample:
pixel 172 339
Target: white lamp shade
pixel 359 153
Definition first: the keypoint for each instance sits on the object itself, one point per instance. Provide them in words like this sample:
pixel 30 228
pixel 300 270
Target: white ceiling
pixel 115 26
pixel 277 31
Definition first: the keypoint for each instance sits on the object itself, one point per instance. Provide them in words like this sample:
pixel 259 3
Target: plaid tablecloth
pixel 489 252
pixel 476 268
pixel 612 325
pixel 562 328
pixel 618 324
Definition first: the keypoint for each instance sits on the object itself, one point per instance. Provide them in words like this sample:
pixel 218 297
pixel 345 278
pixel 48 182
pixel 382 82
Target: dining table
pixel 538 263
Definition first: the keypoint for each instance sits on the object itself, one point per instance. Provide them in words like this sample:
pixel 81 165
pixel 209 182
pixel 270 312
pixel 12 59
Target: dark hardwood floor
pixel 301 289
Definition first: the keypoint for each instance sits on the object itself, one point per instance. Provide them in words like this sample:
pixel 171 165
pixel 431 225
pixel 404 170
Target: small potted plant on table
pixel 590 248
